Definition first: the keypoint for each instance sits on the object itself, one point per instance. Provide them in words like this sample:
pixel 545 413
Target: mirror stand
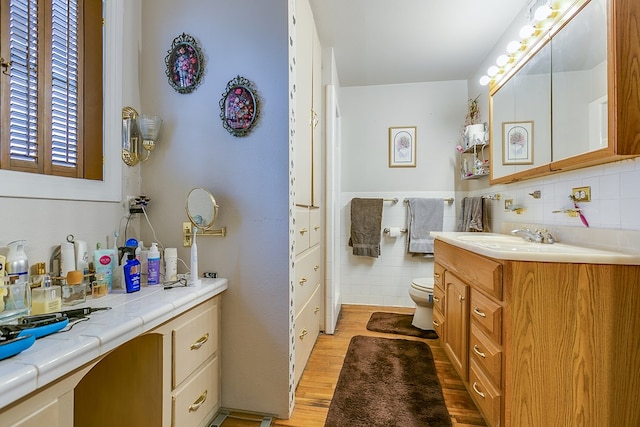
pixel 187 233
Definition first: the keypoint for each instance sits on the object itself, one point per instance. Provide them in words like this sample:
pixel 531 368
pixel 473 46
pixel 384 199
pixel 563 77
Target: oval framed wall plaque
pixel 239 107
pixel 185 64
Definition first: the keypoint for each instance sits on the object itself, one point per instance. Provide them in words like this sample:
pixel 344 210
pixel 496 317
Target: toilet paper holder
pixel 387 230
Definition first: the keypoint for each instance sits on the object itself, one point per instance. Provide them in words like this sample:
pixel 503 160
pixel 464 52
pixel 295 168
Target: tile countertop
pixel 55 355
pixel 537 252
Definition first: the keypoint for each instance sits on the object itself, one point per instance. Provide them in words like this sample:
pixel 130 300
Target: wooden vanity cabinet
pixel 549 344
pixel 456 323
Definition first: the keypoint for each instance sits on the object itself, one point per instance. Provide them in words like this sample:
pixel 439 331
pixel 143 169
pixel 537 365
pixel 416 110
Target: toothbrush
pixel 582 217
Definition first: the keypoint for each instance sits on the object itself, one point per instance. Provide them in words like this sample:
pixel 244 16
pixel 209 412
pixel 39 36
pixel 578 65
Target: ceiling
pixel 406 41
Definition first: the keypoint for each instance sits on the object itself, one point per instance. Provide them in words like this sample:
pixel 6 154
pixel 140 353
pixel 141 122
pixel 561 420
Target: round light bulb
pixel 513 46
pixel 527 31
pixel 493 71
pixel 502 60
pixel 484 80
pixel 543 12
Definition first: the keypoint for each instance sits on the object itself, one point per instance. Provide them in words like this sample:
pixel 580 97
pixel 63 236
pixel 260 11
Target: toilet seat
pixel 423 284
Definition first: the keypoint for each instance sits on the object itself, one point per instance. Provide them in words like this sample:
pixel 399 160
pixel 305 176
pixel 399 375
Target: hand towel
pixel 473 215
pixel 425 215
pixel 366 226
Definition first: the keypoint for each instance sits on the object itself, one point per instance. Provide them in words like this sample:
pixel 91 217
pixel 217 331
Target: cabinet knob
pixel 478 352
pixel 316 267
pixel 303 281
pixel 436 299
pixel 475 388
pixel 316 310
pixel 436 275
pixel 477 311
pixel 316 228
pixel 460 298
pixel 303 230
pixel 198 402
pixel 436 324
pixel 303 334
pixel 200 342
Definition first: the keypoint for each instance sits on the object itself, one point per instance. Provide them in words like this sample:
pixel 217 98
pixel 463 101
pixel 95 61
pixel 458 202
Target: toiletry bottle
pixel 47 298
pixel 99 288
pixel 67 258
pixel 74 291
pixel 105 262
pixel 171 264
pixel 82 258
pixel 153 262
pixel 131 273
pixel 38 272
pixel 17 263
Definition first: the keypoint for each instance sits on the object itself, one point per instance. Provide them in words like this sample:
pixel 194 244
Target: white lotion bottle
pixel 153 265
pixel 171 264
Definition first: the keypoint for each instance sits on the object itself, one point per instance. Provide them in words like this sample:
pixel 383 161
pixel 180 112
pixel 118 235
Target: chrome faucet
pixel 538 236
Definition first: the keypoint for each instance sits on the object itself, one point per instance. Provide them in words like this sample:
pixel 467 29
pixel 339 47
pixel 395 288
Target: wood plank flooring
pixel 320 376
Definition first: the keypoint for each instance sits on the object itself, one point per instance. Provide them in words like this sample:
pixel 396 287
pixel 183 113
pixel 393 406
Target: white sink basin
pixel 510 247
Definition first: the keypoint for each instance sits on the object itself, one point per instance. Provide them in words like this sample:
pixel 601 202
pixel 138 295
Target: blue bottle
pixel 132 274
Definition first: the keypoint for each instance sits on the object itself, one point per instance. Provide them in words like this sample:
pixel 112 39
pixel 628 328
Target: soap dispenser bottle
pixel 153 263
pixel 17 263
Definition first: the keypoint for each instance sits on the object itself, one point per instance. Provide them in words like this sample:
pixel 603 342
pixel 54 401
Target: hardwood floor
pixel 320 376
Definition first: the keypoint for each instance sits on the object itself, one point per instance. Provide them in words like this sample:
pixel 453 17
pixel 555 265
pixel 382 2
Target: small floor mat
pixel 397 323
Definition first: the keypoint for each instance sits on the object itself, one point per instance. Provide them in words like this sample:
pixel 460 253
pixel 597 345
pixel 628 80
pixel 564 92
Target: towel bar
pixel 447 200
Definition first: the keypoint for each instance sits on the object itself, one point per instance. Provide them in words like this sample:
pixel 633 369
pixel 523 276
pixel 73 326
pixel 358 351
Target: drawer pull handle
pixel 303 280
pixel 303 230
pixel 478 352
pixel 203 339
pixel 475 388
pixel 436 324
pixel 316 267
pixel 303 334
pixel 198 403
pixel 436 299
pixel 316 310
pixel 316 228
pixel 478 312
pixel 436 275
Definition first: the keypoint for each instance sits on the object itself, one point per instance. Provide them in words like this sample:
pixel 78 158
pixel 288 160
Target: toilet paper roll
pixel 394 231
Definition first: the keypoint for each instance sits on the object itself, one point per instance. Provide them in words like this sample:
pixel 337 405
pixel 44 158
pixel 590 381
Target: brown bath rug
pixel 387 382
pixel 396 323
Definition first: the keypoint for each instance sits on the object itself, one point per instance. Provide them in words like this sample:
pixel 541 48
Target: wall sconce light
pixel 139 135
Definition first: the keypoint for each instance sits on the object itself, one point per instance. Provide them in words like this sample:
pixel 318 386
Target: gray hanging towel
pixel 473 215
pixel 425 215
pixel 366 226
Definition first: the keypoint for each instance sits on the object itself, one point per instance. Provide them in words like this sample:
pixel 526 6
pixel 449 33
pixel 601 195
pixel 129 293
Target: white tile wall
pixel 385 280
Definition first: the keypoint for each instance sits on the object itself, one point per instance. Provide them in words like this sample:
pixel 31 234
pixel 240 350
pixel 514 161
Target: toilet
pixel 421 292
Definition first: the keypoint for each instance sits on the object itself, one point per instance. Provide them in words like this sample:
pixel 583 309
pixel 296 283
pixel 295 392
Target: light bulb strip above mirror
pixel 139 135
pixel 547 20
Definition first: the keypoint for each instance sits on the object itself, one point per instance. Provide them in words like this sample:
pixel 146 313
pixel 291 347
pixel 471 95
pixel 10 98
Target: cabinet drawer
pixel 199 397
pixel 438 276
pixel 302 229
pixel 438 324
pixel 477 270
pixel 307 276
pixel 306 331
pixel 438 300
pixel 487 314
pixel 194 341
pixel 487 355
pixel 315 228
pixel 485 395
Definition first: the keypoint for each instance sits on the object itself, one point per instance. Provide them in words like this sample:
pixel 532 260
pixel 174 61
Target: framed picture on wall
pixel 402 147
pixel 517 143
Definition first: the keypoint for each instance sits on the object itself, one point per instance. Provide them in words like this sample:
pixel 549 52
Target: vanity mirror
pixel 202 211
pixel 578 90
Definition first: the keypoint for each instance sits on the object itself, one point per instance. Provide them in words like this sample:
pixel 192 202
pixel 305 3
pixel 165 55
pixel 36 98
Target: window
pixel 51 87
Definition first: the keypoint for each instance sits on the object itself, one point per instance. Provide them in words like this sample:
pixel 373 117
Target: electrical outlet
pixel 187 232
pixel 507 204
pixel 581 194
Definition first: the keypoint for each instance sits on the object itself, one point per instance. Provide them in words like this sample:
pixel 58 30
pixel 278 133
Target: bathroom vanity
pixel 152 360
pixel 540 335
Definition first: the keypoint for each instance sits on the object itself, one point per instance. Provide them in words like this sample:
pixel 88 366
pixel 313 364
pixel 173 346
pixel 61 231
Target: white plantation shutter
pixel 64 81
pixel 23 93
